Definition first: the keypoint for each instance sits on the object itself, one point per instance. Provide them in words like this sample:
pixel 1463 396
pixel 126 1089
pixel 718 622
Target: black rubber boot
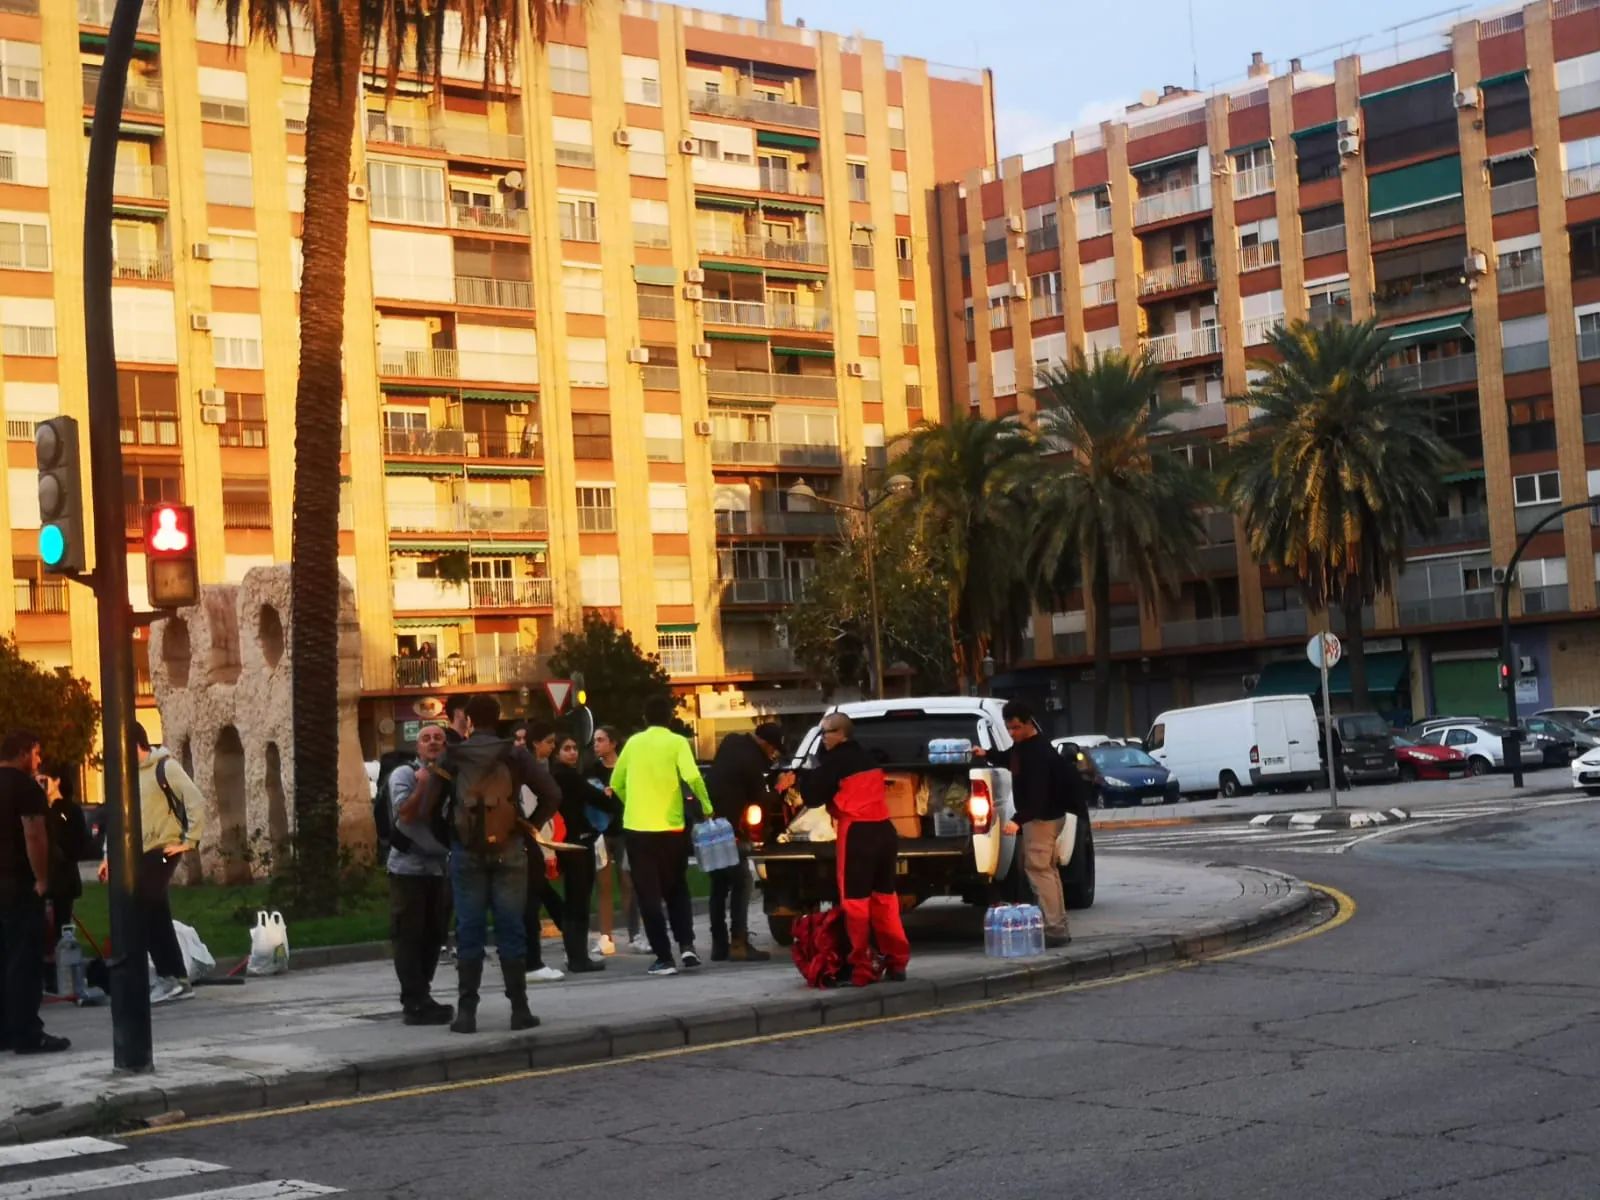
pixel 468 976
pixel 515 973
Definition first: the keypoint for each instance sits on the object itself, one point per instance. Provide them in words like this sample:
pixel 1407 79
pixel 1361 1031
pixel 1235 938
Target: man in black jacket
pixel 1045 787
pixel 737 780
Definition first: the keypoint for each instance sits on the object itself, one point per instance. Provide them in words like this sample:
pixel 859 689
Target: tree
pixel 1107 499
pixel 830 628
pixel 343 32
pixel 55 704
pixel 618 675
pixel 1335 470
pixel 966 506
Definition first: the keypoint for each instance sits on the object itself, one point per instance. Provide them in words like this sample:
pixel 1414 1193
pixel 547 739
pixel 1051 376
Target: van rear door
pixel 1272 739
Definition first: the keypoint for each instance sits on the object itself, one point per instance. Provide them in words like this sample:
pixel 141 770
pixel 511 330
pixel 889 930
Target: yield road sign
pixel 559 691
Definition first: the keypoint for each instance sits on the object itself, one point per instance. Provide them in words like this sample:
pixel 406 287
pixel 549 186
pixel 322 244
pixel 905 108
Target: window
pixel 228 179
pixel 900 190
pixel 867 313
pixel 144 484
pixel 641 81
pixel 597 507
pixel 586 362
pixel 1578 80
pixel 581 289
pixel 579 219
pixel 569 69
pixel 20 75
pixel 1000 306
pixel 1526 343
pixel 856 172
pixel 1582 162
pixel 1316 155
pixel 647 154
pixel 1049 351
pixel 147 404
pixel 1409 121
pixel 1505 105
pixel 1543 488
pixel 968 321
pixel 677 648
pixel 233 260
pixel 1519 263
pixel 673 584
pixel 1003 370
pixel 236 340
pixel 246 425
pixel 1585 244
pixel 224 96
pixel 1532 425
pixel 24 243
pixel 1541 573
pixel 591 435
pixel 669 511
pixel 1101 341
pixel 246 502
pixel 1040 222
pixel 1252 172
pixel 573 140
pixel 599 581
pixel 1045 294
pixel 1094 212
pixel 406 192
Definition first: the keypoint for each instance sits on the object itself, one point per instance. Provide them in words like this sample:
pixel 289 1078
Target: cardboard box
pixel 900 792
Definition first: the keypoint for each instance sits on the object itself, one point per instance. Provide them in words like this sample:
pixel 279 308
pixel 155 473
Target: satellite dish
pixel 511 181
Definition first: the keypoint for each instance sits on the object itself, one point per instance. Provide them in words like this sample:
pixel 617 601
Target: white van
pixel 1238 746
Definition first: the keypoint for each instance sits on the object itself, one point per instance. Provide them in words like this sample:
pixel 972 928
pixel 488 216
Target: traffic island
pixel 333 1033
pixel 1332 818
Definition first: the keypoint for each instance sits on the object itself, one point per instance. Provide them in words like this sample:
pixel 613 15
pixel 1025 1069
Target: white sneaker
pixel 546 975
pixel 640 944
pixel 164 989
pixel 604 947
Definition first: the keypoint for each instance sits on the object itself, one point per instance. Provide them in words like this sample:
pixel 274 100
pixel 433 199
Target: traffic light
pixel 62 546
pixel 172 577
pixel 1505 676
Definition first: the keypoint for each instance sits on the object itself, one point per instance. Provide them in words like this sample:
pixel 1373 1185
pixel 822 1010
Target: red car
pixel 1428 762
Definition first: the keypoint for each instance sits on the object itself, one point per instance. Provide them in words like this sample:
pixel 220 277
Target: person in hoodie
pixel 1045 787
pixel 170 812
pixel 577 866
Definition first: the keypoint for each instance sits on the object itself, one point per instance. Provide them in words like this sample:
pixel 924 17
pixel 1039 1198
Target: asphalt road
pixel 1440 1042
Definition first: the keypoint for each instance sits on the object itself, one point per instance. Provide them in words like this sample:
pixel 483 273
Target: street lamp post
pixel 894 485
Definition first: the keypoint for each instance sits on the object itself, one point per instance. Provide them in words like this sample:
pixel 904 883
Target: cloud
pixel 1023 129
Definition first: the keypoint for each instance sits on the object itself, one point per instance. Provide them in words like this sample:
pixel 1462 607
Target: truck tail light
pixel 753 818
pixel 980 806
pixel 1255 756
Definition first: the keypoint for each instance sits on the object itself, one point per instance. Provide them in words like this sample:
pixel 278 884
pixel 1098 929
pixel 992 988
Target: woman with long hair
pixel 578 799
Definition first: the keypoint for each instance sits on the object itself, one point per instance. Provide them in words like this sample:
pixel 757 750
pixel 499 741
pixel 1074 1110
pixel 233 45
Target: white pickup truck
pixel 950 816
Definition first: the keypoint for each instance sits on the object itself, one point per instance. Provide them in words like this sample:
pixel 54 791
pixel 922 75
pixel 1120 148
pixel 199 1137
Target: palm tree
pixel 1108 499
pixel 965 500
pixel 344 31
pixel 1335 470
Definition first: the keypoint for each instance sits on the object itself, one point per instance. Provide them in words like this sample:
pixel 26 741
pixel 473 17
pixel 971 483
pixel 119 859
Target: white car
pixel 1586 772
pixel 1083 741
pixel 1481 746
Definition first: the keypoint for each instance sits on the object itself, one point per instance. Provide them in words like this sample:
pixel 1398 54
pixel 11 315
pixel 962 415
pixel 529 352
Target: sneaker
pixel 184 990
pixel 164 989
pixel 661 968
pixel 545 975
pixel 47 1044
pixel 894 975
pixel 691 960
pixel 604 947
pixel 639 943
pixel 431 1014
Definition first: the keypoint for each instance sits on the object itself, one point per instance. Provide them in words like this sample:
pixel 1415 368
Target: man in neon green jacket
pixel 651 774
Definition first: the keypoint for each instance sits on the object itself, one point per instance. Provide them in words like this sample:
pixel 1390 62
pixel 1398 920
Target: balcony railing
pixel 1095 222
pixel 1521 276
pixel 246 514
pixel 1551 599
pixel 480 143
pixel 1046 237
pixel 763 384
pixel 154 266
pixel 455 670
pixel 1258 257
pixel 482 292
pixel 767 522
pixel 1418 220
pixel 1177 275
pixel 660 378
pixel 1453 531
pixel 1589 344
pixel 39 595
pixel 1046 304
pixel 1202 632
pixel 513 593
pixel 460 443
pixel 774 249
pixel 140 96
pixel 1434 372
pixel 1288 622
pixel 154 429
pixel 484 518
pixel 1445 610
pixel 249 434
pixel 752 313
pixel 1256 181
pixel 749 108
pixel 807 320
pixel 759 591
pixel 1207 415
pixel 1179 202
pixel 791 183
pixel 139 181
pixel 776 454
pixel 759 660
pixel 1194 343
pixel 1535 356
pixel 494 220
pixel 1329 240
pixel 1583 181
pixel 1096 294
pixel 446 363
pixel 1423 295
pixel 1510 197
pixel 98 12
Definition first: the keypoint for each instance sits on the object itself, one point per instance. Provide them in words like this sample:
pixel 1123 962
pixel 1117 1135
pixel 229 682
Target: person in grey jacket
pixel 419 892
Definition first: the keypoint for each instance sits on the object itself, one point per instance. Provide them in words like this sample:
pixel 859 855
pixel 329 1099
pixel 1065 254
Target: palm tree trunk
pixel 1355 650
pixel 1100 605
pixel 314 601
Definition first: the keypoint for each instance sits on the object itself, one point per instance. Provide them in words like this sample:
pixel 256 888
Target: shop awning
pixel 440 469
pixel 1386 675
pixel 766 137
pixel 1405 87
pixel 718 335
pixel 736 268
pixel 1434 329
pixel 711 200
pixel 1414 187
pixel 1314 130
pixel 494 396
pixel 803 351
pixel 1508 77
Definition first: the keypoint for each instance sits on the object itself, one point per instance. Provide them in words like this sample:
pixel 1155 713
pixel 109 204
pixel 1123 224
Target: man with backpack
pixel 419 895
pixel 476 789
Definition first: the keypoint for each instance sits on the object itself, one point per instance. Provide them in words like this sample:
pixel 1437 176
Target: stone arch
pixel 269 635
pixel 279 825
pixel 176 653
pixel 222 623
pixel 229 795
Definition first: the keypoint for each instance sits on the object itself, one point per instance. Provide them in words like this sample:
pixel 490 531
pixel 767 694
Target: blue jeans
pixel 483 882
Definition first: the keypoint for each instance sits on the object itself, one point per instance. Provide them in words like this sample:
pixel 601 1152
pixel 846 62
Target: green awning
pixel 1468 476
pixel 423 468
pixel 503 469
pixel 426 546
pixel 688 627
pixel 1434 329
pixel 1314 130
pixel 1508 77
pixel 98 42
pixel 1248 146
pixel 721 336
pixel 802 276
pixel 425 622
pixel 499 397
pixel 1386 675
pixel 765 137
pixel 1165 161
pixel 790 206
pixel 134 208
pixel 660 276
pixel 711 200
pixel 803 351
pixel 1414 187
pixel 480 546
pixel 736 268
pixel 413 389
pixel 1406 87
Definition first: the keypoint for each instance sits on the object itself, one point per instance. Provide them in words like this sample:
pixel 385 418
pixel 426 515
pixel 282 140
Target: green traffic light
pixel 52 545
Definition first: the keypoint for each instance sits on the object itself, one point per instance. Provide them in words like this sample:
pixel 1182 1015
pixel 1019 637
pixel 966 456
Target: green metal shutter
pixel 1412 187
pixel 1467 688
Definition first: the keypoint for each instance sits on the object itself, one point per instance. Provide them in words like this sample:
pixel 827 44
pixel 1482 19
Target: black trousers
pixel 155 877
pixel 541 893
pixel 577 885
pixel 419 915
pixel 21 966
pixel 731 886
pixel 660 866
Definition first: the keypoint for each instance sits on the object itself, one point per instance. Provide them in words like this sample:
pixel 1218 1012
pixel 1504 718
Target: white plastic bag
pixel 602 858
pixel 1067 841
pixel 810 825
pixel 197 960
pixel 269 945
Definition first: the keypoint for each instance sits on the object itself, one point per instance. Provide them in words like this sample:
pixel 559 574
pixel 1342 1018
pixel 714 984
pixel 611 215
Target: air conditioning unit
pixel 1349 126
pixel 1349 146
pixel 213 414
pixel 694 275
pixel 1019 287
pixel 854 370
pixel 693 291
pixel 1497 575
pixel 1014 224
pixel 1468 98
pixel 213 396
pixel 689 145
pixel 358 192
pixel 702 349
pixel 200 322
pixel 638 354
pixel 1527 665
pixel 1475 263
pixel 622 137
pixel 519 409
pixel 511 181
pixel 702 428
pixel 200 250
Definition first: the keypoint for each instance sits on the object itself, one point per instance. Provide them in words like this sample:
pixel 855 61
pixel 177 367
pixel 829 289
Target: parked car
pixel 1557 744
pixel 1239 745
pixel 1084 740
pixel 1586 772
pixel 1480 745
pixel 1539 747
pixel 1126 775
pixel 1363 748
pixel 1567 728
pixel 1572 714
pixel 1417 761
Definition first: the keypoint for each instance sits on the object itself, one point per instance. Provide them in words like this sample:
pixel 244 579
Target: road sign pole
pixel 1327 733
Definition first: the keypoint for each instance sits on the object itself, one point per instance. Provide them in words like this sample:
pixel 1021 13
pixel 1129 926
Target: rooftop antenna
pixel 1194 55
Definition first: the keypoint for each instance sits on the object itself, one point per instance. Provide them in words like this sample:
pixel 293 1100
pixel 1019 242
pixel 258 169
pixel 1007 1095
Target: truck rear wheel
pixel 781 929
pixel 1077 877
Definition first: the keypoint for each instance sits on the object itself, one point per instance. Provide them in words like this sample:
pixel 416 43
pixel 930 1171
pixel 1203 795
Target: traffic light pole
pixel 130 982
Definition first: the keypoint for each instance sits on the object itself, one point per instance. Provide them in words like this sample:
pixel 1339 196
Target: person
pixel 430 664
pixel 69 844
pixel 24 882
pixel 651 774
pixel 1044 788
pixel 456 723
pixel 479 782
pixel 607 745
pixel 170 812
pixel 419 908
pixel 737 780
pixel 540 738
pixel 850 783
pixel 577 866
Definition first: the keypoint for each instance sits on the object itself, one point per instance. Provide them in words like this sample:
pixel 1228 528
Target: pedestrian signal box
pixel 172 573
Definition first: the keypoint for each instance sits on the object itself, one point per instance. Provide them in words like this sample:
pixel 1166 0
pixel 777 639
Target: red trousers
pixel 867 854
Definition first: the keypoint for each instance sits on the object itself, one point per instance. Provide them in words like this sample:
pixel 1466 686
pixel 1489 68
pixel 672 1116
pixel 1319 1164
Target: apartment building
pixel 598 324
pixel 1448 186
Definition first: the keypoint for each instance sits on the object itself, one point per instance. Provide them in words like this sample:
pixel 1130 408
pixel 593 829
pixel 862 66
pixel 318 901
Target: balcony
pixel 1040 307
pixel 1446 610
pixel 1256 181
pixel 480 143
pixel 749 313
pixel 1179 202
pixel 98 12
pixel 749 108
pixel 1203 632
pixel 39 595
pixel 483 518
pixel 1258 257
pixel 1404 297
pixel 460 443
pixel 775 454
pixel 772 249
pixel 1417 221
pixel 513 593
pixel 1456 531
pixel 482 292
pixel 246 514
pixel 1209 414
pixel 1094 223
pixel 771 523
pixel 1329 240
pixel 760 384
pixel 1514 196
pixel 759 660
pixel 1521 276
pixel 449 363
pixel 139 96
pixel 457 671
pixel 790 183
pixel 138 181
pixel 1193 343
pixel 1046 237
pixel 1583 181
pixel 1432 373
pixel 1588 344
pixel 1553 599
pixel 1258 329
pixel 476 217
pixel 759 591
pixel 1288 622
pixel 424 518
pixel 1534 356
pixel 1096 294
pixel 1177 275
pixel 150 267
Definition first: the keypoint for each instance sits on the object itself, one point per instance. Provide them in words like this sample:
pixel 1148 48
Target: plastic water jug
pixel 1035 930
pixel 69 962
pixel 714 845
pixel 991 931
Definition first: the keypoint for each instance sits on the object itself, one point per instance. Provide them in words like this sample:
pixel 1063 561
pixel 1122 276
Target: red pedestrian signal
pixel 172 575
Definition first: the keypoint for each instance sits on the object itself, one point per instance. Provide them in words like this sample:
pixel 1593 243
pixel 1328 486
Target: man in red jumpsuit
pixel 851 784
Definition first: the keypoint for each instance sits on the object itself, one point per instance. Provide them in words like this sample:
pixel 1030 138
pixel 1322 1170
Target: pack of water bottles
pixel 1013 931
pixel 715 847
pixel 950 750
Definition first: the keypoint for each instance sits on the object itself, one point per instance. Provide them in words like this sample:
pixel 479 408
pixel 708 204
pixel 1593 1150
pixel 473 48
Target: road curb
pixel 1332 818
pixel 1173 822
pixel 488 1055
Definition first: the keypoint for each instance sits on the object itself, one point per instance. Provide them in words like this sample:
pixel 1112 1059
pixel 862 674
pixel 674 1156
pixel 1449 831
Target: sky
pixel 1059 64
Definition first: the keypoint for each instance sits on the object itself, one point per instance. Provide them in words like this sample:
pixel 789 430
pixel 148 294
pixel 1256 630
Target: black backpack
pixel 380 801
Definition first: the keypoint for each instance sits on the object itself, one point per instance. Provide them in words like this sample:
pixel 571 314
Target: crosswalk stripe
pixel 273 1189
pixel 130 1175
pixel 39 1152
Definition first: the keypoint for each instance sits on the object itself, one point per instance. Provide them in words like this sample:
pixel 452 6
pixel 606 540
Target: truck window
pixel 1362 725
pixel 1157 738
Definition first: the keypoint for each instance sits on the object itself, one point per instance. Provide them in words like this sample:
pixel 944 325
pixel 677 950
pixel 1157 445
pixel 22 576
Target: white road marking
pixel 273 1189
pixel 131 1175
pixel 39 1152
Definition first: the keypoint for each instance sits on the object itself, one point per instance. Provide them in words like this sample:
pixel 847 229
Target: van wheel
pixel 1478 765
pixel 781 929
pixel 1228 784
pixel 1077 877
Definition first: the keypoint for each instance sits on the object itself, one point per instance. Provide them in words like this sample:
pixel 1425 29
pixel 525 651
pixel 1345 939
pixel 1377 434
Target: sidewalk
pixel 320 1034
